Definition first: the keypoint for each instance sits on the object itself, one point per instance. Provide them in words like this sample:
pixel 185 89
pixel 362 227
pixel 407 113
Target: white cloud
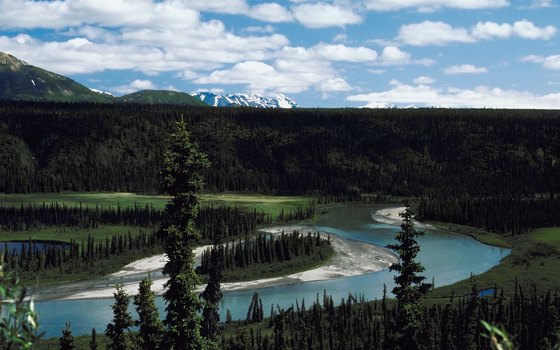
pixel 479 97
pixel 549 62
pixel 134 86
pixel 232 7
pixel 542 4
pixel 424 80
pixel 297 70
pixel 343 53
pixel 329 52
pixel 60 14
pixel 394 55
pixel 270 12
pixel 528 30
pixel 284 76
pixel 333 85
pixel 432 33
pixel 440 33
pixel 259 29
pixel 464 69
pixel 322 15
pixel 489 30
pixel 340 38
pixel 431 5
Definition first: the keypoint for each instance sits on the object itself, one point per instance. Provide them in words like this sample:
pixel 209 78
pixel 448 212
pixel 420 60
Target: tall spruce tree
pixel 409 286
pixel 93 344
pixel 212 294
pixel 118 332
pixel 66 342
pixel 183 164
pixel 150 332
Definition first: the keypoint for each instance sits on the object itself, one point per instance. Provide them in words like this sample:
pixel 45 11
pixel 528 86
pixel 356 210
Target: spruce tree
pixel 93 342
pixel 150 332
pixel 66 342
pixel 409 286
pixel 118 332
pixel 182 179
pixel 212 295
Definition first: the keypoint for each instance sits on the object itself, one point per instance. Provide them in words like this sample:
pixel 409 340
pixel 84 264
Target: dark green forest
pixel 48 147
pixel 493 169
pixel 489 159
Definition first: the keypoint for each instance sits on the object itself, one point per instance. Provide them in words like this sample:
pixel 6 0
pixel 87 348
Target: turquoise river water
pixel 447 258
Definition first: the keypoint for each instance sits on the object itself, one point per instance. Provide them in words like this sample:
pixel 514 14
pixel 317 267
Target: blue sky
pixel 330 53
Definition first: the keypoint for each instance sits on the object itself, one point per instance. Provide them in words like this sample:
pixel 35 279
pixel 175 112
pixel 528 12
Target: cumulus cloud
pixel 329 52
pixel 440 33
pixel 62 14
pixel 394 55
pixel 549 62
pixel 333 85
pixel 259 29
pixel 134 86
pixel 270 12
pixel 528 30
pixel 284 76
pixel 464 69
pixel 479 97
pixel 322 15
pixel 433 33
pixel 344 53
pixel 542 4
pixel 424 80
pixel 432 5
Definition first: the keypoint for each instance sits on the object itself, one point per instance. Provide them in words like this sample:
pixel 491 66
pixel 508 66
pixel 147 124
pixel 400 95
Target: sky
pixel 329 53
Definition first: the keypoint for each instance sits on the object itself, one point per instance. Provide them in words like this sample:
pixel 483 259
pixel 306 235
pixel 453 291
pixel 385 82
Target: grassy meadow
pixel 534 262
pixel 272 205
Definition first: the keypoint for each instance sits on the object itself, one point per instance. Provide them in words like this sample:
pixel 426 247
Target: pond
pixel 17 246
pixel 447 258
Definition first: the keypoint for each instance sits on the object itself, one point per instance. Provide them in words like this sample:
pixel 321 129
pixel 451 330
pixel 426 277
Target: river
pixel 447 258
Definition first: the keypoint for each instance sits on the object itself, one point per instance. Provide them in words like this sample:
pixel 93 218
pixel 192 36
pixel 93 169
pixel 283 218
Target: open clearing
pixel 272 205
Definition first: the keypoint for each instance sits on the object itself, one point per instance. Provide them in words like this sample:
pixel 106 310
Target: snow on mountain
pixel 102 92
pixel 381 105
pixel 245 100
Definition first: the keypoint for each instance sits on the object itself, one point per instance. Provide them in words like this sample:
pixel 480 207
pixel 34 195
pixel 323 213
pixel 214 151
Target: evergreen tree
pixel 471 321
pixel 66 342
pixel 212 295
pixel 182 179
pixel 409 286
pixel 150 327
pixel 93 342
pixel 118 331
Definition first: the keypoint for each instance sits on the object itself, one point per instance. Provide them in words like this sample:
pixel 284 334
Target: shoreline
pixel 351 258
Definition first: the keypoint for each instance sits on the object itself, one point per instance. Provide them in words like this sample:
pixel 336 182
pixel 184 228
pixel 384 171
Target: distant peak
pixel 11 61
pixel 244 100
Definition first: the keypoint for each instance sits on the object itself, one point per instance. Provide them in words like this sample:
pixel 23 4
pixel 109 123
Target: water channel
pixel 447 258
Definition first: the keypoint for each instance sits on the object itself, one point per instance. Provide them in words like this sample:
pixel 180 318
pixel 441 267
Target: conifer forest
pixel 486 173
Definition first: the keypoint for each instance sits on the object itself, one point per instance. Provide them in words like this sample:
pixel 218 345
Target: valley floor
pixel 352 258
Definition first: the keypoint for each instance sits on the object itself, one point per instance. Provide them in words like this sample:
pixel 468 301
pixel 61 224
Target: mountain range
pixel 23 82
pixel 245 100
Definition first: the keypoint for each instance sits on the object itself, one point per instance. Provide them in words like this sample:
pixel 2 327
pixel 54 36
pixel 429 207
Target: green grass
pixel 534 262
pixel 67 234
pixel 479 234
pixel 547 235
pixel 272 205
pixel 87 200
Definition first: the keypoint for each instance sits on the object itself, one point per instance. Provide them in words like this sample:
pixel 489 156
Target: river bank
pixel 351 259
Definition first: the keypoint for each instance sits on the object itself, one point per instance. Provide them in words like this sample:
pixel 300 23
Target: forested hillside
pixel 343 152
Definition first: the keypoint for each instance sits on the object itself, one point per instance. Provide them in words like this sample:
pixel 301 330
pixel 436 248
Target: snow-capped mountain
pixel 379 105
pixel 245 100
pixel 102 92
